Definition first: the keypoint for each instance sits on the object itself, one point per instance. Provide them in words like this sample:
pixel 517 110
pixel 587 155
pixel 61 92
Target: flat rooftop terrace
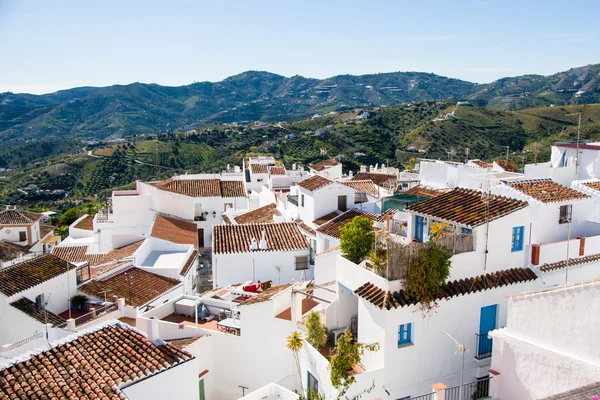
pixel 165 259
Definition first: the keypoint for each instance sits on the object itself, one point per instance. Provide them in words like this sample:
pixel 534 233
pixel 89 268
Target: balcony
pixel 200 217
pixel 484 346
pixel 479 389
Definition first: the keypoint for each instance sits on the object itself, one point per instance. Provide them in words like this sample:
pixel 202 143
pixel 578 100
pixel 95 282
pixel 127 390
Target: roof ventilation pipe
pixel 253 245
pixel 263 242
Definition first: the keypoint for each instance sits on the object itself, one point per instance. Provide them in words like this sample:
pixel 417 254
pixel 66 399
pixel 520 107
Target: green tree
pixel 357 239
pixel 295 342
pixel 346 355
pixel 428 273
pixel 316 332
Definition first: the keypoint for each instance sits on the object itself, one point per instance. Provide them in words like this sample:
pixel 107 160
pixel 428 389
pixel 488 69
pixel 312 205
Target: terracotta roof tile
pixel 10 251
pixel 321 165
pixel 481 164
pixel 185 342
pixel 30 273
pixel 77 254
pixel 188 263
pixel 366 186
pixel 30 308
pixel 91 366
pixel 546 190
pixel 260 215
pixel 226 219
pixel 382 180
pixel 277 170
pixel 467 207
pixel 327 217
pixel 572 261
pixel 45 230
pixel 258 169
pixel 87 223
pixel 265 295
pixel 384 299
pixel 175 230
pixel 331 250
pixel 593 185
pixel 203 187
pixel 315 182
pixel 384 217
pixel 282 236
pixel 300 223
pixel 423 191
pixel 505 165
pixel 18 217
pixel 332 228
pixel 145 286
pixel 122 252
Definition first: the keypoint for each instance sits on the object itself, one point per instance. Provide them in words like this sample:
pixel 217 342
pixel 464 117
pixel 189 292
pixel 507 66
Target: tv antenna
pixel 460 347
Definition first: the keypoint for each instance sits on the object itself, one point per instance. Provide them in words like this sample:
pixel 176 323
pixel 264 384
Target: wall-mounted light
pixel 214 214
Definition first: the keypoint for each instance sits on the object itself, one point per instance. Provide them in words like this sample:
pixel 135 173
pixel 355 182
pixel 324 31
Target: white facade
pixel 550 343
pixel 322 201
pixel 275 265
pixel 563 167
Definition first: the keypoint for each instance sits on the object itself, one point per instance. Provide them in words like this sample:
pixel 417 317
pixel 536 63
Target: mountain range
pixel 123 110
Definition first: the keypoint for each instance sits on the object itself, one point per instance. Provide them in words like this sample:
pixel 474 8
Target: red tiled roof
pixel 258 169
pixel 18 217
pixel 366 186
pixel 10 251
pixel 546 190
pixel 226 219
pixel 381 180
pixel 505 165
pixel 305 227
pixel 481 164
pixel 331 250
pixel 384 299
pixel 203 187
pixel 327 217
pixel 277 170
pixel 30 273
pixel 122 252
pixel 572 261
pixel 423 191
pixel 92 366
pixel 30 308
pixel 332 228
pixel 265 295
pixel 467 207
pixel 175 230
pixel 388 214
pixel 45 230
pixel 321 165
pixel 593 185
pixel 76 254
pixel 260 215
pixel 144 286
pixel 315 182
pixel 189 263
pixel 282 236
pixel 87 223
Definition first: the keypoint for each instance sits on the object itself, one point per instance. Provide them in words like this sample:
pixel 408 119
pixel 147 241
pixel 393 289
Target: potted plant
pixel 78 301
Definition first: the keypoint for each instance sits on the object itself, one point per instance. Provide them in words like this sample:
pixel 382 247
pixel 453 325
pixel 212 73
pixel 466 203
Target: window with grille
pixel 301 262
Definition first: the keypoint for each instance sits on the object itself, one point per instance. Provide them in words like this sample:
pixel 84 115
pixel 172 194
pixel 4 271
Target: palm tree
pixel 295 343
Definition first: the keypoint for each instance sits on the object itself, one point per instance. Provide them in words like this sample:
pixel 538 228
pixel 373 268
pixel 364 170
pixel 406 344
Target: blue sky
pixel 51 45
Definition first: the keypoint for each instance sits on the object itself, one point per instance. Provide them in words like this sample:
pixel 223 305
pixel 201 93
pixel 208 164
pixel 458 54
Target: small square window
pixel 405 334
pixel 517 238
pixel 565 214
pixel 301 263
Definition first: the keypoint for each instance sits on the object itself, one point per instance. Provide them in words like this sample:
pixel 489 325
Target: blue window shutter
pixel 409 333
pixel 517 238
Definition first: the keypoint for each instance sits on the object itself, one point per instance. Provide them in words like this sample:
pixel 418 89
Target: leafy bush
pixel 428 273
pixel 346 355
pixel 357 239
pixel 316 332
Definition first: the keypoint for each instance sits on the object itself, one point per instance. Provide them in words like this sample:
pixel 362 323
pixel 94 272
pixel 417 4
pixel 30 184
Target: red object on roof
pixel 253 288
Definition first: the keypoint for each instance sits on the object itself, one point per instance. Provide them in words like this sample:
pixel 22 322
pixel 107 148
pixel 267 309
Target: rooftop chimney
pixel 253 245
pixel 371 168
pixel 350 174
pixel 293 167
pixel 363 168
pixel 263 242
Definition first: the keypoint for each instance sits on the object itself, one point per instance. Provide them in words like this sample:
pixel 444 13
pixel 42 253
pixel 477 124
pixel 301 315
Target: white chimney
pixel 371 168
pixel 350 174
pixel 237 168
pixel 152 329
pixel 253 245
pixel 263 242
pixel 302 168
pixel 363 168
pixel 293 167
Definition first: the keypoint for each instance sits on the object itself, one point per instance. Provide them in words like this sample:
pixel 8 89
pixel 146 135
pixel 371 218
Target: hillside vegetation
pixel 125 110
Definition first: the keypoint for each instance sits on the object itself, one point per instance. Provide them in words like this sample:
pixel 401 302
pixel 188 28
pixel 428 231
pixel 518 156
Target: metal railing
pixel 293 199
pixel 98 312
pixel 479 389
pixel 25 341
pixel 484 346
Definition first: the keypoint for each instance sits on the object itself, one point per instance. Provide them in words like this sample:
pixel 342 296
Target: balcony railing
pixel 98 312
pixel 428 396
pixel 25 341
pixel 484 346
pixel 480 389
pixel 293 199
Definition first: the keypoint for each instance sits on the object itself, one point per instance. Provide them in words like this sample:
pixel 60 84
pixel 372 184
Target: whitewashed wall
pixel 179 382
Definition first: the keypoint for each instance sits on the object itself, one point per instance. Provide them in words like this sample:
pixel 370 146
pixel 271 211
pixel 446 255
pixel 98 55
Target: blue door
pixel 419 228
pixel 487 323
